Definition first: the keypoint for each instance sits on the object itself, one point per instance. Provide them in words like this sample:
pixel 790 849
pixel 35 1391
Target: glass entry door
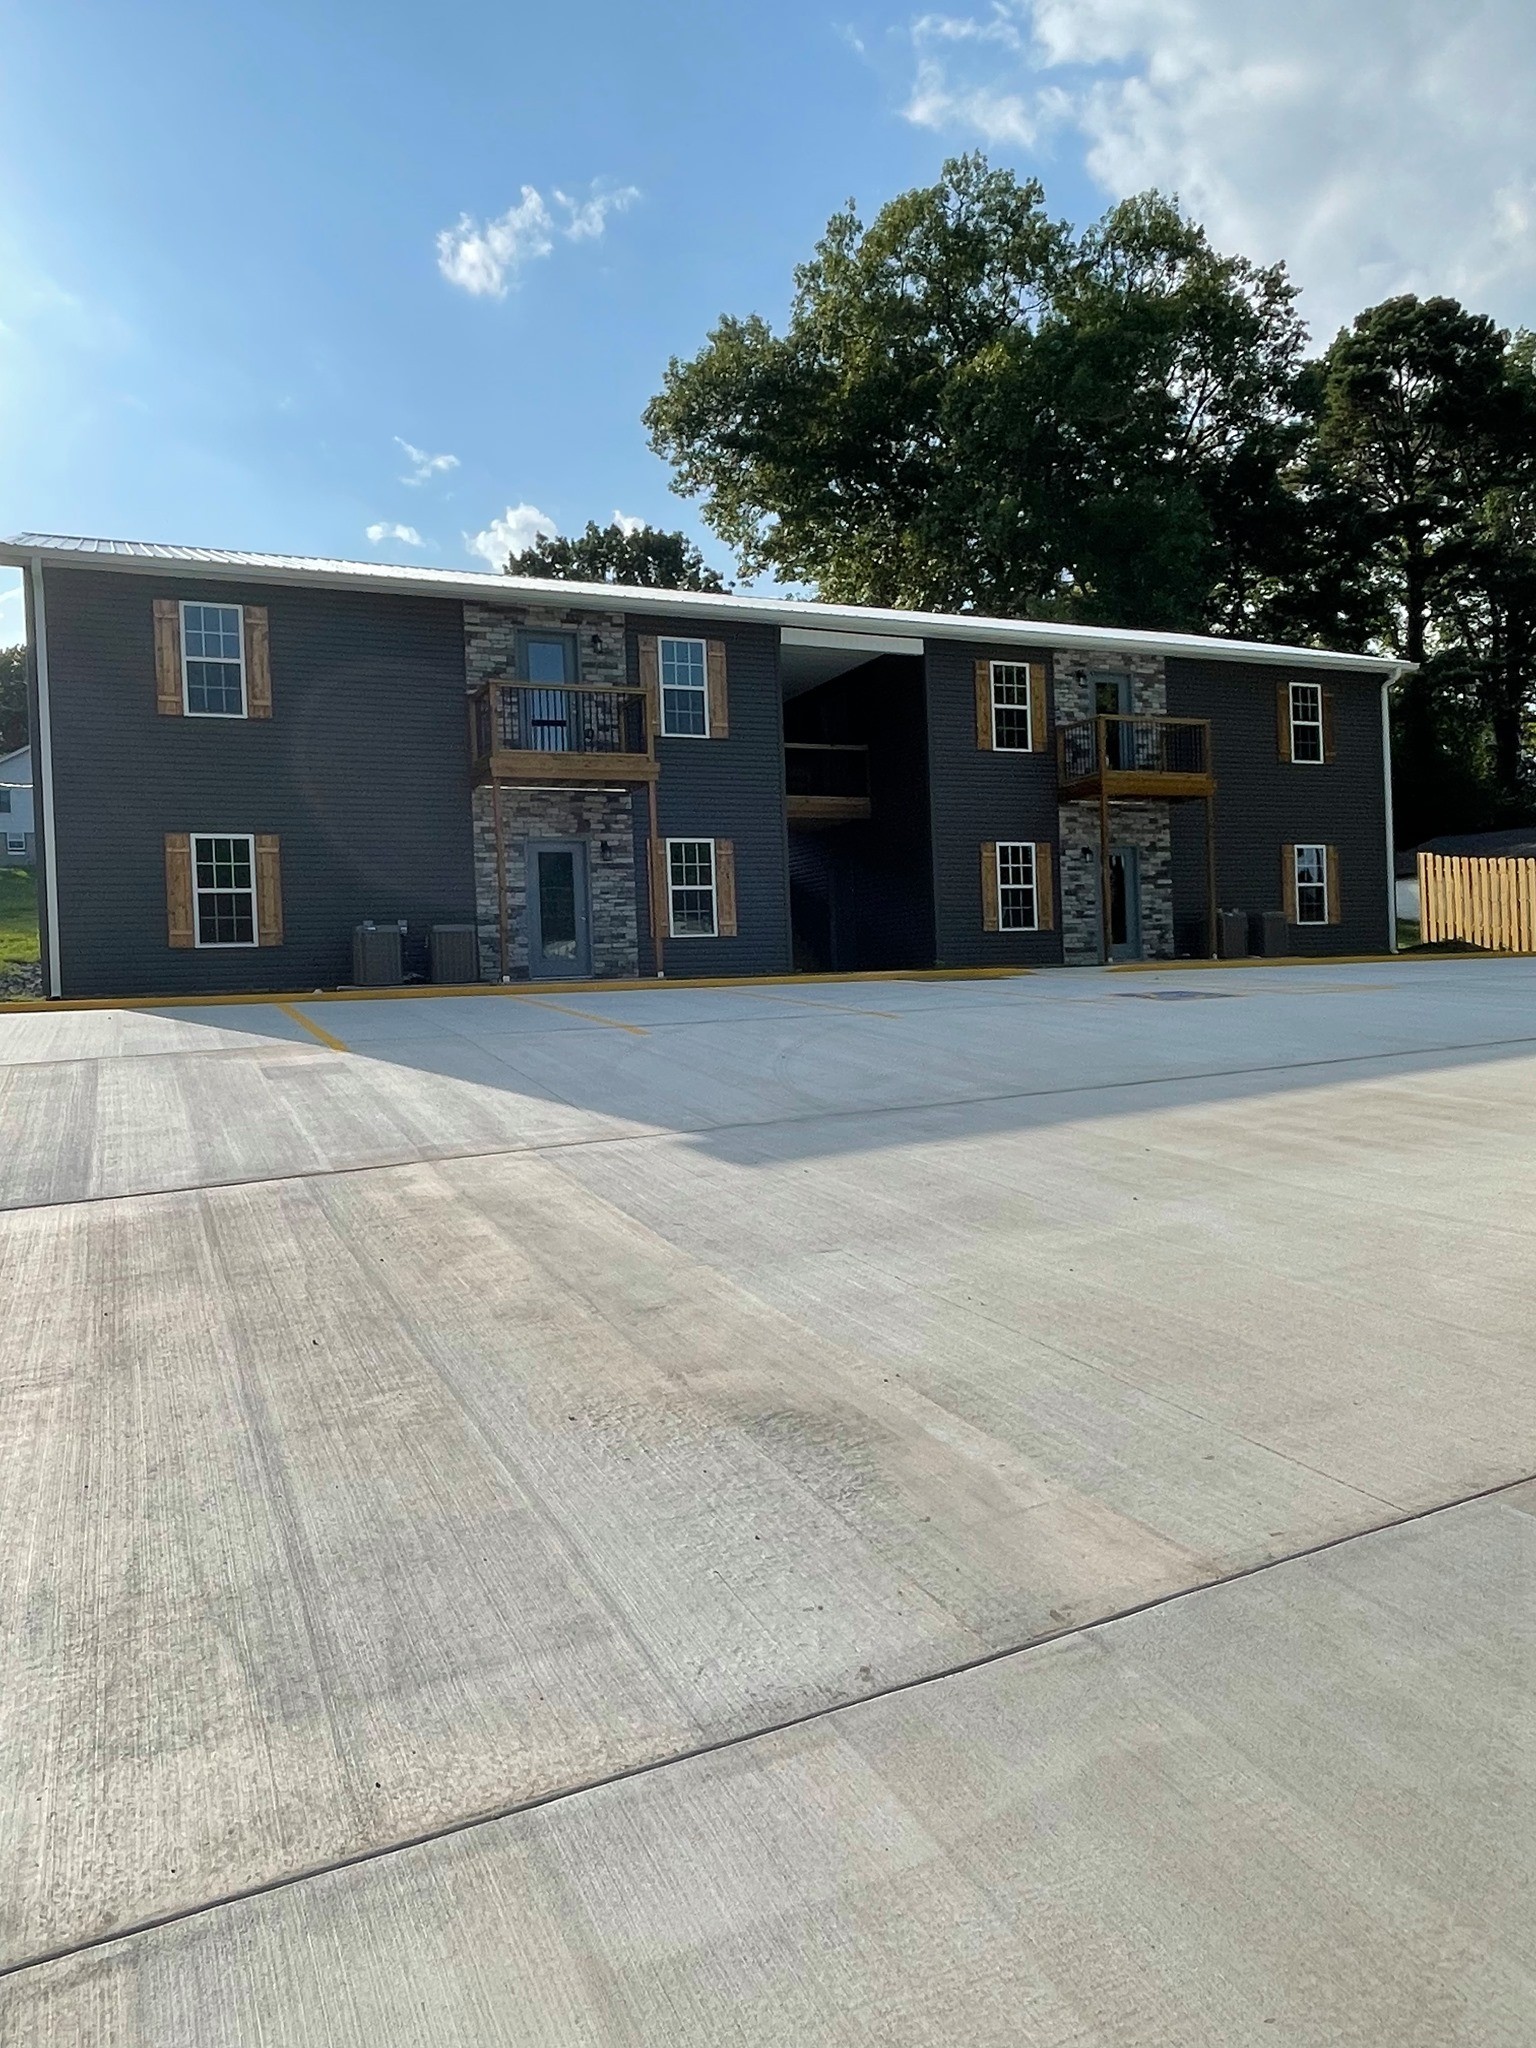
pixel 1124 904
pixel 559 925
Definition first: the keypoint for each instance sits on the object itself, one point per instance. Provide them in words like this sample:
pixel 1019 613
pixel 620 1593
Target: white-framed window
pixel 1012 726
pixel 213 660
pixel 1306 722
pixel 1311 885
pixel 691 907
pixel 684 666
pixel 1018 906
pixel 224 888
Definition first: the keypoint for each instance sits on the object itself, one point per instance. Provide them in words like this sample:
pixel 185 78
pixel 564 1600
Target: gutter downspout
pixel 44 775
pixel 1386 784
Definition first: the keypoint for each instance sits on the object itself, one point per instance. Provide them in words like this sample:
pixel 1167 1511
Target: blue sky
pixel 250 258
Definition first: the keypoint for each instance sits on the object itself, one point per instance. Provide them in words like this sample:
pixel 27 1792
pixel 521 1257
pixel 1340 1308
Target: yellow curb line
pixel 315 1030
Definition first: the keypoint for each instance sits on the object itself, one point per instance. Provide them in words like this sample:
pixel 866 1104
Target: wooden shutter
pixel 269 891
pixel 1335 907
pixel 178 889
pixel 661 915
pixel 1288 882
pixel 725 888
pixel 1283 720
pixel 1045 895
pixel 1327 725
pixel 984 704
pixel 1037 728
pixel 168 662
pixel 719 701
pixel 650 682
pixel 989 885
pixel 258 667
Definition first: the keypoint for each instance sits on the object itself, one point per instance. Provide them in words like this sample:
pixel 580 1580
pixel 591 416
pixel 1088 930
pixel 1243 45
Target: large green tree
pixel 643 556
pixel 972 406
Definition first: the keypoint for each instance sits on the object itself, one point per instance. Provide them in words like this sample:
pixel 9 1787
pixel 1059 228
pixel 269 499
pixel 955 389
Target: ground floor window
pixel 691 888
pixel 1017 907
pixel 1311 885
pixel 224 889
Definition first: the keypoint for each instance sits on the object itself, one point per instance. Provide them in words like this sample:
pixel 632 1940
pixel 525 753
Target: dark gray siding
pixel 42 795
pixel 726 789
pixel 362 770
pixel 1264 803
pixel 975 795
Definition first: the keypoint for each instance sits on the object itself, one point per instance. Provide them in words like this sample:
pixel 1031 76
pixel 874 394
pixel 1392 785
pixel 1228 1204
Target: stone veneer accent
pixel 1142 825
pixel 602 817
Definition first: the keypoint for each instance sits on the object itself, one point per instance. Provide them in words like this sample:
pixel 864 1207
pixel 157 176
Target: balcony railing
pixel 1136 755
pixel 569 719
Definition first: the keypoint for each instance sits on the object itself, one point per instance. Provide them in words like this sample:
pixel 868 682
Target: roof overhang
pixel 809 620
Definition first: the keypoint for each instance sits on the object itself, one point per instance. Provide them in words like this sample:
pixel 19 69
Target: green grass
pixel 18 917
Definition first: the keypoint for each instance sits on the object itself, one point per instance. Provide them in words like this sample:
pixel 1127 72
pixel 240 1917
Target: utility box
pixel 1268 933
pixel 1232 934
pixel 454 953
pixel 377 960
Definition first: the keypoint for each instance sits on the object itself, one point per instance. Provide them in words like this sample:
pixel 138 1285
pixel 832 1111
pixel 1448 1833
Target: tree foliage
pixel 973 406
pixel 643 556
pixel 13 698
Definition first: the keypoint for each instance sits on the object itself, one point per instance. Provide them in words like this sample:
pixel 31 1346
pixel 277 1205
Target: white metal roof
pixel 800 614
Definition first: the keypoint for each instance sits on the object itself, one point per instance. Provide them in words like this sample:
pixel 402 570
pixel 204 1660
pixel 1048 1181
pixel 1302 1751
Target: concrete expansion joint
pixel 290 1880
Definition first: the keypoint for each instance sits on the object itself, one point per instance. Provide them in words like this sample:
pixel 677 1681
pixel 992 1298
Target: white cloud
pixel 383 529
pixel 424 466
pixel 486 259
pixel 627 522
pixel 1379 147
pixel 518 528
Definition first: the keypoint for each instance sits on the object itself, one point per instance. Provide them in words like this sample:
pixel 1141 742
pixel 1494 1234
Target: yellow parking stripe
pixel 591 1016
pixel 315 1030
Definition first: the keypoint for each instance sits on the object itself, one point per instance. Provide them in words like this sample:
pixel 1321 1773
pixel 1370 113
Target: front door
pixel 1124 904
pixel 559 928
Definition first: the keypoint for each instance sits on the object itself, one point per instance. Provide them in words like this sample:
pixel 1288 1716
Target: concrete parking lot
pixel 893 1510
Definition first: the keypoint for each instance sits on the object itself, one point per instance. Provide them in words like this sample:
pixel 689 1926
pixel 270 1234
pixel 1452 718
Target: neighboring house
pixel 252 754
pixel 18 847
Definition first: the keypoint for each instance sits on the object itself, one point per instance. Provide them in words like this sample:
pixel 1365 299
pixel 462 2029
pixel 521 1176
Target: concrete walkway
pixel 513 1393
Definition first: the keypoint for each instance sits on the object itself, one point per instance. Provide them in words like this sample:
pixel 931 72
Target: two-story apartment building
pixel 239 758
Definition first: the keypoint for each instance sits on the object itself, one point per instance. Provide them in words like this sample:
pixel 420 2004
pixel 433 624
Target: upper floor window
pixel 684 689
pixel 212 661
pixel 1311 885
pixel 1012 726
pixel 1306 723
pixel 1017 906
pixel 5 800
pixel 224 889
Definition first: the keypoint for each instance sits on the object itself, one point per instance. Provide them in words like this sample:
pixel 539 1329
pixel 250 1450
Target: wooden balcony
pixel 1111 757
pixel 825 785
pixel 572 733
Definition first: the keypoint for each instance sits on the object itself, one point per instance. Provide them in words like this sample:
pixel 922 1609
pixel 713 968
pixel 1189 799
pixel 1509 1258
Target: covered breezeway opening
pixel 856 803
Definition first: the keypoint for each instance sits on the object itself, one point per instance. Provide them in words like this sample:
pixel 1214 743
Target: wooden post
pixel 501 873
pixel 1101 742
pixel 1210 872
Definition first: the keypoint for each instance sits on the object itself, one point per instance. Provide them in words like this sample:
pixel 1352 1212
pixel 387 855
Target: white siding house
pixel 18 846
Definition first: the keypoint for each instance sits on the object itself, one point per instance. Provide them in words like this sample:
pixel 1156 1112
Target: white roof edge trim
pixel 481 586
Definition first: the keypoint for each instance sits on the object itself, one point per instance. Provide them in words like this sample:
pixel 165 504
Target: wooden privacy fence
pixel 1483 902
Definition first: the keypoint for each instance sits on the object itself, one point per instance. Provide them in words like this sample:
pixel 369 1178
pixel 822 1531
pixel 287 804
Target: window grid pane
pixel 1016 886
pixel 684 683
pixel 1306 722
pixel 1311 885
pixel 226 896
pixel 211 645
pixel 691 873
pixel 1010 706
